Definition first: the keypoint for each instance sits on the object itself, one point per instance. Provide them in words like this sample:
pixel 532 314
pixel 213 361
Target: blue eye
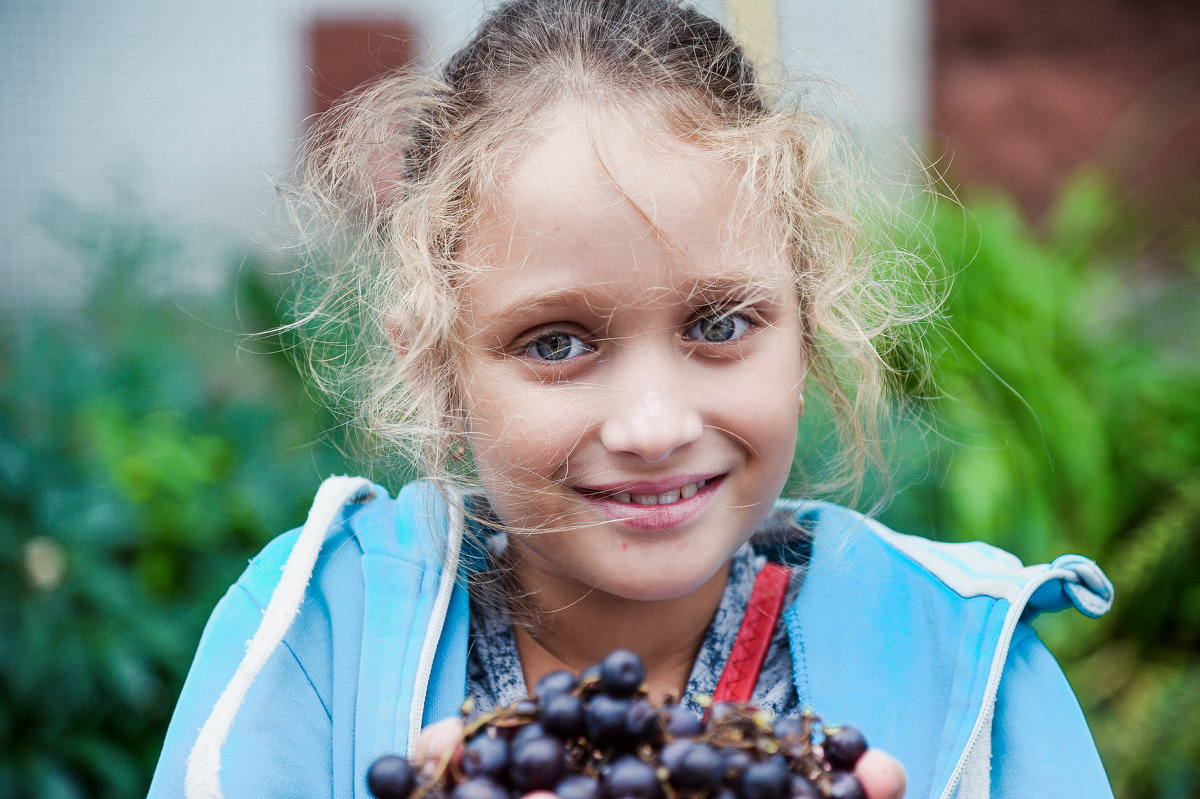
pixel 718 328
pixel 556 346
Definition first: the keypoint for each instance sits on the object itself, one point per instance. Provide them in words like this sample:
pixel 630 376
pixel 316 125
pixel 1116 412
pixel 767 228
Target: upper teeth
pixel 665 498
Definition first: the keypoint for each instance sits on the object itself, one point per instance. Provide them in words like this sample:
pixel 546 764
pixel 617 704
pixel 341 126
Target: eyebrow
pixel 701 290
pixel 537 303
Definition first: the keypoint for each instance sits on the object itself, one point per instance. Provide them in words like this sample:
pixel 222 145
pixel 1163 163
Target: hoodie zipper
pixel 984 719
pixel 437 621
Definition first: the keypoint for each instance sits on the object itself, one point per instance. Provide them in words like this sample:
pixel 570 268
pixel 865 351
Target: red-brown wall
pixel 1027 91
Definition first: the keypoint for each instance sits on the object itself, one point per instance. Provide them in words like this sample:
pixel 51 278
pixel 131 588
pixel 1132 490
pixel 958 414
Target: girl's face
pixel 632 373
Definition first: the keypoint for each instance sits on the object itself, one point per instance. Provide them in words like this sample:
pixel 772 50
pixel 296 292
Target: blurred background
pixel 148 446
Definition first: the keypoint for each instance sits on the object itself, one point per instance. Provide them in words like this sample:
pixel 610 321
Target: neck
pixel 577 627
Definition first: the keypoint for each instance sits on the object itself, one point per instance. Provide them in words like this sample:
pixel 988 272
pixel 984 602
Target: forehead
pixel 614 202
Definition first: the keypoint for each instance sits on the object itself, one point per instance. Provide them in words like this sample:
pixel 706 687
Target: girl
pixel 608 272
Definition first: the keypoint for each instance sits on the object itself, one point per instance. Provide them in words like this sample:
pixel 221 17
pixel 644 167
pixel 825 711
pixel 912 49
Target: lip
pixel 641 486
pixel 652 517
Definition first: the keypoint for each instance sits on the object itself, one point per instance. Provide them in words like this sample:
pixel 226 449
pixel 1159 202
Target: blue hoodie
pixel 360 621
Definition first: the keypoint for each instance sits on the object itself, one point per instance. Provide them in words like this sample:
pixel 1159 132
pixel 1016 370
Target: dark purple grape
pixel 485 756
pixel 844 785
pixel 642 722
pixel 843 747
pixel 537 764
pixel 673 752
pixel 789 728
pixel 802 787
pixel 563 715
pixel 606 725
pixel 734 763
pixel 699 770
pixel 682 723
pixel 527 732
pixel 391 777
pixel 622 673
pixel 553 684
pixel 479 788
pixel 578 786
pixel 590 677
pixel 604 722
pixel 630 778
pixel 766 780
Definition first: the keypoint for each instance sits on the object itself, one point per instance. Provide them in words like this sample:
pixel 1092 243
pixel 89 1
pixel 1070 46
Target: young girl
pixel 607 272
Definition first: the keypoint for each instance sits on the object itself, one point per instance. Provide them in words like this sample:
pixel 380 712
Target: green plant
pixel 1068 420
pixel 144 455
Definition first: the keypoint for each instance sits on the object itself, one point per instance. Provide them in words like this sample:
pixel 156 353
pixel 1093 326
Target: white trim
pixel 976 780
pixel 977 569
pixel 975 748
pixel 433 634
pixel 203 778
pixel 967 569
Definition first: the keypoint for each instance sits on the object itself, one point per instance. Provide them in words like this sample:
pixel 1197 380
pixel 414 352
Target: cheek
pixel 521 432
pixel 522 445
pixel 769 404
pixel 773 424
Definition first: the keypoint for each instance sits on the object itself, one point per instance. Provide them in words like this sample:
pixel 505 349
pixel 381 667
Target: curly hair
pixel 393 178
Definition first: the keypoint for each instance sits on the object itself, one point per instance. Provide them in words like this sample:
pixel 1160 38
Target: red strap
pixel 754 637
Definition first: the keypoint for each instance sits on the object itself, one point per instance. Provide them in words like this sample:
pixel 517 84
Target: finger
pixel 539 795
pixel 881 775
pixel 438 739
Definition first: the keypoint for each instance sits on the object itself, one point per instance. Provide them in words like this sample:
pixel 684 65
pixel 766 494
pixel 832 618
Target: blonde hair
pixel 393 178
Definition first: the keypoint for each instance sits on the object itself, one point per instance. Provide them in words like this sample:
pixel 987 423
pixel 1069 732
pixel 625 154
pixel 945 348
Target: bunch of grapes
pixel 598 736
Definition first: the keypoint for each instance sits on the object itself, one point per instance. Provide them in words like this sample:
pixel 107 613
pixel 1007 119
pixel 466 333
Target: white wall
pixel 192 108
pixel 877 49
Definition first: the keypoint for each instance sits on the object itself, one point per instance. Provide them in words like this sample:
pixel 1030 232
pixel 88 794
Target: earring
pixel 801 414
pixel 458 451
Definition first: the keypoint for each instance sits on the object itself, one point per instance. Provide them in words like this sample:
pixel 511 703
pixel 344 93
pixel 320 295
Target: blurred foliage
pixel 1067 418
pixel 145 453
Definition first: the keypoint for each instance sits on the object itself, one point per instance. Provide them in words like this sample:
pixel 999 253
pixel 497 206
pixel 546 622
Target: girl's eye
pixel 718 328
pixel 556 346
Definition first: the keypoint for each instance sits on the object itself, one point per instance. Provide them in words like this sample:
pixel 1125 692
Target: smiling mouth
pixel 645 498
pixel 665 498
pixel 655 504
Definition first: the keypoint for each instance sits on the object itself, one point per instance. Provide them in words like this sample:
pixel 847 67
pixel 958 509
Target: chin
pixel 659 588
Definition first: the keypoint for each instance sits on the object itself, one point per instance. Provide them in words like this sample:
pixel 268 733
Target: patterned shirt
pixel 494 675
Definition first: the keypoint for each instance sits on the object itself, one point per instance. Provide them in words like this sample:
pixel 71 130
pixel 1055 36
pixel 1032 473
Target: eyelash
pixel 576 346
pixel 529 348
pixel 742 323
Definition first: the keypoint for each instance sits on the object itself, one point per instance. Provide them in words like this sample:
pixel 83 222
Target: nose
pixel 651 413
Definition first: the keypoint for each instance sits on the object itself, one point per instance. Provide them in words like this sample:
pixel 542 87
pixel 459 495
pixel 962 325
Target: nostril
pixel 652 413
pixel 653 439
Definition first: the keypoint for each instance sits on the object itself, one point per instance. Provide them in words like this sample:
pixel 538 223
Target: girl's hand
pixel 436 740
pixel 882 777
